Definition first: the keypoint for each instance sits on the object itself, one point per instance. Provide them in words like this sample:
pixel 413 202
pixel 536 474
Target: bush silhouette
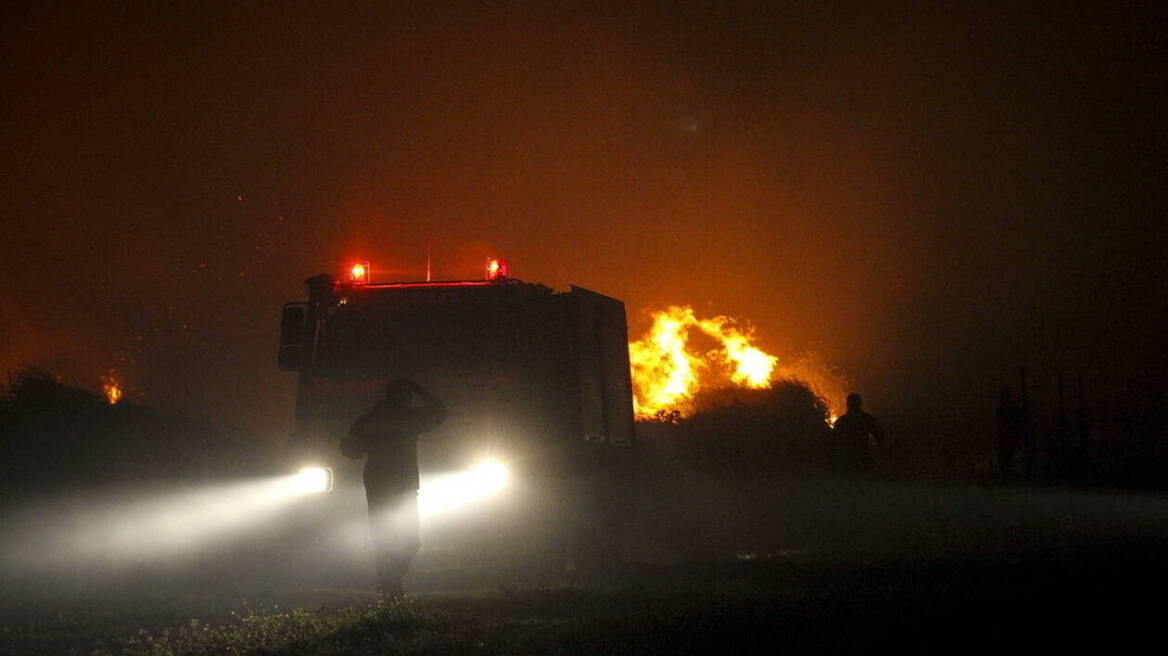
pixel 782 428
pixel 58 437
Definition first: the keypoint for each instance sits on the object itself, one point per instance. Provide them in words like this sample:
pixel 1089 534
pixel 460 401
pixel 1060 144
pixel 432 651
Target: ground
pixel 1089 600
pixel 712 566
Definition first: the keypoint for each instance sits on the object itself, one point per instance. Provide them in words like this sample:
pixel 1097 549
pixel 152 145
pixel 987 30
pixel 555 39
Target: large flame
pixel 668 370
pixel 666 374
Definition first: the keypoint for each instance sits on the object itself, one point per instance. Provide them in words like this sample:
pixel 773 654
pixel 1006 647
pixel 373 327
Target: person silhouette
pixel 387 436
pixel 856 433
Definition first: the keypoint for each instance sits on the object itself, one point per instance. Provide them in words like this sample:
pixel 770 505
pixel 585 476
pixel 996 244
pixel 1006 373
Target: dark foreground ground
pixel 717 566
pixel 1106 599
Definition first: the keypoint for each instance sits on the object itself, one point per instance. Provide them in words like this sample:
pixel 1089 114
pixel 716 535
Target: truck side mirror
pixel 293 336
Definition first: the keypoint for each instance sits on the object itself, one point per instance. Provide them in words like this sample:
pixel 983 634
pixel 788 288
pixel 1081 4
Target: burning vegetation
pixel 683 356
pixel 111 388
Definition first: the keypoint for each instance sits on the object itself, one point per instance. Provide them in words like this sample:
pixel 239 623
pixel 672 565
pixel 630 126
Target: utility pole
pixel 1027 442
pixel 1061 432
pixel 1084 459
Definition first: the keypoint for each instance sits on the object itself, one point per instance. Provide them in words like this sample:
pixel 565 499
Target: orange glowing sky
pixel 919 196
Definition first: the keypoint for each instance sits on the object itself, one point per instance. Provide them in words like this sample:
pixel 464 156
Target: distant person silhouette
pixel 1011 422
pixel 856 433
pixel 387 436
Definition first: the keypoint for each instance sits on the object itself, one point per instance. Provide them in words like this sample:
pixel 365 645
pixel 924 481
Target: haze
pixel 925 197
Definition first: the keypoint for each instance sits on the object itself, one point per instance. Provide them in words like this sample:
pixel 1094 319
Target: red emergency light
pixel 497 269
pixel 359 273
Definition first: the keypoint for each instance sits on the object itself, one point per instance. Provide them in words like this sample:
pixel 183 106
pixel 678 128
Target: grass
pixel 535 621
pixel 371 628
pixel 744 607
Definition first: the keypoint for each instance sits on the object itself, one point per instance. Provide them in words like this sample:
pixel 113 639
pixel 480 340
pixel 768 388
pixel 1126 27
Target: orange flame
pixel 111 388
pixel 666 375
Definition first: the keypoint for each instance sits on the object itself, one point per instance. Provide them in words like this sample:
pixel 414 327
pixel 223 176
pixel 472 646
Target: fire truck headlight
pixel 445 493
pixel 311 480
pixel 489 477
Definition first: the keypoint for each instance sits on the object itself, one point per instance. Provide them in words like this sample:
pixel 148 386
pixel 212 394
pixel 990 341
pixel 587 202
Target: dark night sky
pixel 925 195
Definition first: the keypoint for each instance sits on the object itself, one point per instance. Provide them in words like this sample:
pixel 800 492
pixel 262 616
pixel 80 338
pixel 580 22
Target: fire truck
pixel 531 377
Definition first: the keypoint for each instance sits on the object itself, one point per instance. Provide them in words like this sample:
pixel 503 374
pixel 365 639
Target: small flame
pixel 824 380
pixel 666 374
pixel 111 388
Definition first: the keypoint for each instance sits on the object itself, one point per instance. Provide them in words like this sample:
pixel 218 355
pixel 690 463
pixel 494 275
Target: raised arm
pixel 433 408
pixel 356 442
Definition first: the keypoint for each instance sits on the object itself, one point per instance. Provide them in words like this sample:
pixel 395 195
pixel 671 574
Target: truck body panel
pixel 525 372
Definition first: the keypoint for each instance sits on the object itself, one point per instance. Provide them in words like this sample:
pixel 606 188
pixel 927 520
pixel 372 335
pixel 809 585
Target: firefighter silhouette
pixel 1011 431
pixel 387 436
pixel 855 434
